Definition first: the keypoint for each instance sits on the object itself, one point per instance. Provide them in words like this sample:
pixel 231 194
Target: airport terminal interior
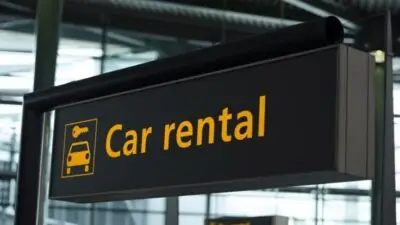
pixel 103 36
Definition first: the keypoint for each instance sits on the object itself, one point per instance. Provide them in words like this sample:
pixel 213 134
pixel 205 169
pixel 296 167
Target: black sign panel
pixel 263 125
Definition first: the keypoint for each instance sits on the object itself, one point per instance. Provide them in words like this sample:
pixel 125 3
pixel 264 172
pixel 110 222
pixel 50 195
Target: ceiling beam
pixel 157 24
pixel 10 102
pixel 345 11
pixel 15 6
pixel 277 9
pixel 321 12
pixel 7 175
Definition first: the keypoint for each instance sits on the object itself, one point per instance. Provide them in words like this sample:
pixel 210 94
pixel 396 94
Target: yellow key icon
pixel 76 131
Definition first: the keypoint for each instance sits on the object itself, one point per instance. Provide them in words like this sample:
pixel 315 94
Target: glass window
pixel 192 204
pixel 191 219
pixel 155 219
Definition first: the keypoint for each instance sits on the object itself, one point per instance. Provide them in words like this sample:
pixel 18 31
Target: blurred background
pixel 99 36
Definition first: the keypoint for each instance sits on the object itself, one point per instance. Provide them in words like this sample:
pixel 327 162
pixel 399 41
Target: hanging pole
pixel 208 206
pixel 317 193
pixel 32 172
pixel 103 45
pixel 383 202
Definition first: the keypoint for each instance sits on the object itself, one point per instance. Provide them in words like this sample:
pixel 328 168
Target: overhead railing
pixel 194 12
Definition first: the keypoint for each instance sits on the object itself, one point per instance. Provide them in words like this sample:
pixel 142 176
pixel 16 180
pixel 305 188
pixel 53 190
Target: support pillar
pixel 172 211
pixel 383 199
pixel 32 171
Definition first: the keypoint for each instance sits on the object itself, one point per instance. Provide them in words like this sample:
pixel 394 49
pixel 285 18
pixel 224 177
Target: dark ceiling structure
pixel 204 18
pixel 210 21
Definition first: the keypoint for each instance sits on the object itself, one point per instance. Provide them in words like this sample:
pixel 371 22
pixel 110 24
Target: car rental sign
pixel 299 119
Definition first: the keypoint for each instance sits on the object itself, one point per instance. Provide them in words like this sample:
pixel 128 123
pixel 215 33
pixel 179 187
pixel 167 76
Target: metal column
pixel 383 203
pixel 172 211
pixel 32 170
pixel 208 206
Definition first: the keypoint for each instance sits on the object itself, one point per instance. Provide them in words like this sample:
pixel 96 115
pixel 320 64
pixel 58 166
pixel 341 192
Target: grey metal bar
pixel 208 206
pixel 32 183
pixel 172 211
pixel 92 211
pixel 7 175
pixel 383 202
pixel 317 193
pixel 103 45
pixel 47 34
pixel 8 102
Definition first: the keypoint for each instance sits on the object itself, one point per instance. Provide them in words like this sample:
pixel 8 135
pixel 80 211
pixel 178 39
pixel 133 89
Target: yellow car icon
pixel 78 155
